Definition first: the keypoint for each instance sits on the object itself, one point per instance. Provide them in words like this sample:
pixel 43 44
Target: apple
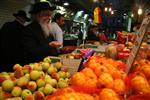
pixel 64 68
pixel 41 89
pixel 27 76
pixel 34 75
pixel 62 83
pixel 16 91
pixel 62 74
pixel 58 65
pixel 6 95
pixel 52 82
pixel 27 69
pixel 51 69
pixel 42 74
pixel 47 59
pixel 48 89
pixel 7 85
pixel 32 86
pixel 55 75
pixel 47 77
pixel 30 97
pixel 38 95
pixel 14 98
pixel 2 79
pixel 36 66
pixel 45 66
pixel 16 66
pixel 68 75
pixel 18 73
pixel 22 82
pixel 40 82
pixel 25 93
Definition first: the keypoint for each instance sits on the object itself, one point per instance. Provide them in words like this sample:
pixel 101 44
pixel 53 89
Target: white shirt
pixel 56 31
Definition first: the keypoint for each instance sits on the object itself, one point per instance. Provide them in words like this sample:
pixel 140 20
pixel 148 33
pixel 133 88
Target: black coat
pixel 36 45
pixel 11 45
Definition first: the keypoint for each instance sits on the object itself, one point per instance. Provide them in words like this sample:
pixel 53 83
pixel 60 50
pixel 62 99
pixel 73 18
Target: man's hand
pixel 55 44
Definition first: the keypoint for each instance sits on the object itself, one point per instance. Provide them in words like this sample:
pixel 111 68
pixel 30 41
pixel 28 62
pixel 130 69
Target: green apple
pixel 51 69
pixel 48 89
pixel 7 85
pixel 62 83
pixel 41 89
pixel 36 66
pixel 40 82
pixel 58 65
pixel 38 95
pixel 27 76
pixel 25 93
pixel 47 77
pixel 68 75
pixel 45 66
pixel 52 82
pixel 62 74
pixel 22 81
pixel 34 75
pixel 32 86
pixel 16 92
pixel 14 98
pixel 42 74
pixel 47 59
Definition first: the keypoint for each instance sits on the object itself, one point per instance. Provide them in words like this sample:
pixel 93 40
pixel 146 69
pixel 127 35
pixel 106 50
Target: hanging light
pixel 140 11
pixel 110 9
pixel 106 9
pixel 112 12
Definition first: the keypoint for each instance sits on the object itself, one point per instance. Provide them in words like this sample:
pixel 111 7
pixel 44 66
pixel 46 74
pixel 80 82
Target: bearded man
pixel 36 43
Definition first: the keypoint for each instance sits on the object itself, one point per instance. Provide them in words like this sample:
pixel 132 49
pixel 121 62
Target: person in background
pixel 36 44
pixel 55 27
pixel 11 41
pixel 92 34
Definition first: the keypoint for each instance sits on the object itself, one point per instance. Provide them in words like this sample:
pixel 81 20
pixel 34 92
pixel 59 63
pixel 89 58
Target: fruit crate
pixel 75 65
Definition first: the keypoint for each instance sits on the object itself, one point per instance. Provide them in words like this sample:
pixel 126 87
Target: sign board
pixel 138 41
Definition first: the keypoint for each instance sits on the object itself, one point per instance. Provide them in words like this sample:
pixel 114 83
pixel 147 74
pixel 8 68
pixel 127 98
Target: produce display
pixel 101 78
pixel 34 81
pixel 138 80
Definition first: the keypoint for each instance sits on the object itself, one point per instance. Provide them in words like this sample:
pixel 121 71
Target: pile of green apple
pixel 34 81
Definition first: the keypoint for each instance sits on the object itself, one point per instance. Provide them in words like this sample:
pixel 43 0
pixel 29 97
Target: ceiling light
pixel 110 9
pixel 66 4
pixel 106 9
pixel 140 11
pixel 95 0
pixel 132 15
pixel 112 12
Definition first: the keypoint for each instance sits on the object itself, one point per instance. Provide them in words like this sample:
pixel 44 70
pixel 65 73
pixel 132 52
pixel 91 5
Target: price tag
pixel 138 41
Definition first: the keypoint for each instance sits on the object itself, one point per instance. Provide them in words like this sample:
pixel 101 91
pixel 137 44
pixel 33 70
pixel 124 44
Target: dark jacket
pixel 11 45
pixel 36 45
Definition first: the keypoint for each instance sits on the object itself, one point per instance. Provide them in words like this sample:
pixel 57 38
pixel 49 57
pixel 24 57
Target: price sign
pixel 138 41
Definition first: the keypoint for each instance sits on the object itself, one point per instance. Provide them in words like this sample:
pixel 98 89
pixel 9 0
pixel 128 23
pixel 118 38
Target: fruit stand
pixel 84 74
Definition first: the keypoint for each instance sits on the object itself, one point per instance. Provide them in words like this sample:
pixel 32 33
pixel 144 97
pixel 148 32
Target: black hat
pixel 37 7
pixel 22 13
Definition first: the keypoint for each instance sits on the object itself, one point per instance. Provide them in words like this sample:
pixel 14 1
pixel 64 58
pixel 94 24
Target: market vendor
pixel 37 45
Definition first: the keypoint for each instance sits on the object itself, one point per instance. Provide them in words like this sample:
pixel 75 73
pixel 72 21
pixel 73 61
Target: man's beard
pixel 46 28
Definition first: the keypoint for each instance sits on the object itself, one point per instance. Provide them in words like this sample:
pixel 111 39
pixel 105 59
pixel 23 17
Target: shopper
pixel 56 27
pixel 37 45
pixel 92 34
pixel 11 41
